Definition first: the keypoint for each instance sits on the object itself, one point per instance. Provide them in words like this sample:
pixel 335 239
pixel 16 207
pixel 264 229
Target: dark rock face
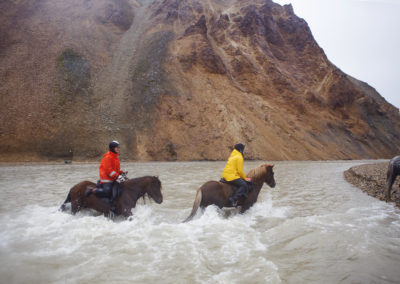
pixel 179 80
pixel 199 28
pixel 74 71
pixel 148 79
pixel 119 13
pixel 341 93
pixel 204 53
pixel 211 61
pixel 218 28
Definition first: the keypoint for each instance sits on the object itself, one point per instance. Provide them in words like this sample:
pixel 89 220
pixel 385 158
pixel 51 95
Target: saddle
pixel 227 182
pixel 250 185
pixel 116 191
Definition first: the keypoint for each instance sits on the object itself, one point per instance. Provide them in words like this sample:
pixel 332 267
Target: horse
pixel 132 190
pixel 392 172
pixel 218 193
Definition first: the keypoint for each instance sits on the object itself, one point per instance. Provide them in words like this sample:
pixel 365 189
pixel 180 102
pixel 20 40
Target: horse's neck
pixel 257 186
pixel 135 194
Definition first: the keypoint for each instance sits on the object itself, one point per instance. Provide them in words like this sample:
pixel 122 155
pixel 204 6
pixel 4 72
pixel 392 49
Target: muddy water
pixel 313 227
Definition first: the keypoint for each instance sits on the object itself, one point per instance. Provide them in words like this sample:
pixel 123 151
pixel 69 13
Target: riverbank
pixel 371 178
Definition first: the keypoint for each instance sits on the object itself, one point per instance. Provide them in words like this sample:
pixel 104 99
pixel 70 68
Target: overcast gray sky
pixel 361 37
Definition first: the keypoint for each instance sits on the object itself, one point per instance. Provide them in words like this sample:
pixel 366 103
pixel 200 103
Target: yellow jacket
pixel 234 167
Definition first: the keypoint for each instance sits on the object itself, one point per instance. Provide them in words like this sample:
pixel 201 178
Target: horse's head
pixel 269 177
pixel 263 174
pixel 154 190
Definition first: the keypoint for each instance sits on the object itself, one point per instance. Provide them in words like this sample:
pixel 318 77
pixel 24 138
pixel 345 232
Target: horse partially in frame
pixel 392 172
pixel 218 193
pixel 132 190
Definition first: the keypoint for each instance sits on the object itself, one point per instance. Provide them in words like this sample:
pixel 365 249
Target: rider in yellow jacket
pixel 233 173
pixel 234 167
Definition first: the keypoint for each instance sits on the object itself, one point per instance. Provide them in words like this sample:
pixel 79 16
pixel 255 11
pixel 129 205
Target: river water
pixel 313 227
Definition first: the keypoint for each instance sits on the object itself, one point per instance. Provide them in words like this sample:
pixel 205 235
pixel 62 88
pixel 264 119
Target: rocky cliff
pixel 179 80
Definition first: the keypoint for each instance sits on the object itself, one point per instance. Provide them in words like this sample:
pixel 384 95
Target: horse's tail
pixel 67 200
pixel 196 205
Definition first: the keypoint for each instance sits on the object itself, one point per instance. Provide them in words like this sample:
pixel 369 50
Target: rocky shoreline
pixel 371 178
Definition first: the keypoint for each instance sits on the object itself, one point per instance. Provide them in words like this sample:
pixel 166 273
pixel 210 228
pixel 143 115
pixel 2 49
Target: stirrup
pixel 233 201
pixel 88 191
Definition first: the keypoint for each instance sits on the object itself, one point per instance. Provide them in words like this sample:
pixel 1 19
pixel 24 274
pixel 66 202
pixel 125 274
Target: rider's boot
pixel 238 193
pixel 112 207
pixel 233 200
pixel 88 191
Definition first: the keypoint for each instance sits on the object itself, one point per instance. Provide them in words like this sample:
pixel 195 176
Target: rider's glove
pixel 120 178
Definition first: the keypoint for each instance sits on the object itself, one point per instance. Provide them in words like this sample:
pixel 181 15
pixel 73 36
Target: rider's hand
pixel 248 179
pixel 122 178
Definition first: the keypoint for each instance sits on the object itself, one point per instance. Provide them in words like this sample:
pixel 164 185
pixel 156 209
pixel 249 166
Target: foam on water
pixel 228 248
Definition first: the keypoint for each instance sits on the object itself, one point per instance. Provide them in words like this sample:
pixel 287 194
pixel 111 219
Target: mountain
pixel 179 80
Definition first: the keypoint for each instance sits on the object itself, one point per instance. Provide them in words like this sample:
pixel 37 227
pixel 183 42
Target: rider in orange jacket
pixel 109 171
pixel 109 166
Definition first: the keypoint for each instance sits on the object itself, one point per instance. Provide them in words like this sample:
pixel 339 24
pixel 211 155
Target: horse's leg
pixel 74 207
pixel 389 183
pixel 396 177
pixel 68 199
pixel 249 201
pixel 76 204
pixel 245 206
pixel 244 209
pixel 127 211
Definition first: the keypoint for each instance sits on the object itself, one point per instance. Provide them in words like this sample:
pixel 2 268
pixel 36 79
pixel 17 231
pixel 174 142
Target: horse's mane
pixel 153 179
pixel 258 173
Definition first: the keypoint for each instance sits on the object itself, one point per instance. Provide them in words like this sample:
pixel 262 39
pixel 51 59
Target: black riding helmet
pixel 112 146
pixel 239 147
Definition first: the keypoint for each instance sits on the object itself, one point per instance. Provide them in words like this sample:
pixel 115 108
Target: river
pixel 313 227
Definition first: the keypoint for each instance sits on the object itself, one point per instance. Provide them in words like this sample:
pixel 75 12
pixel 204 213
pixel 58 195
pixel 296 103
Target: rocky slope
pixel 371 178
pixel 179 80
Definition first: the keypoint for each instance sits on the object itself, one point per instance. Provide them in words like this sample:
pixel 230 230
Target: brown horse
pixel 218 193
pixel 132 190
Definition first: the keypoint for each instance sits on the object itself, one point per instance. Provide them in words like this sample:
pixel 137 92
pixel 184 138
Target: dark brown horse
pixel 392 172
pixel 132 190
pixel 218 193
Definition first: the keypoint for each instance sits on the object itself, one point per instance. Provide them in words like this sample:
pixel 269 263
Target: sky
pixel 361 37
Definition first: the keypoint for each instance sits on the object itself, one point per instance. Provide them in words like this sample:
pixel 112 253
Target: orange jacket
pixel 109 167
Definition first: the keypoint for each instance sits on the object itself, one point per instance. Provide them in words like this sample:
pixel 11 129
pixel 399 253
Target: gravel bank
pixel 371 178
